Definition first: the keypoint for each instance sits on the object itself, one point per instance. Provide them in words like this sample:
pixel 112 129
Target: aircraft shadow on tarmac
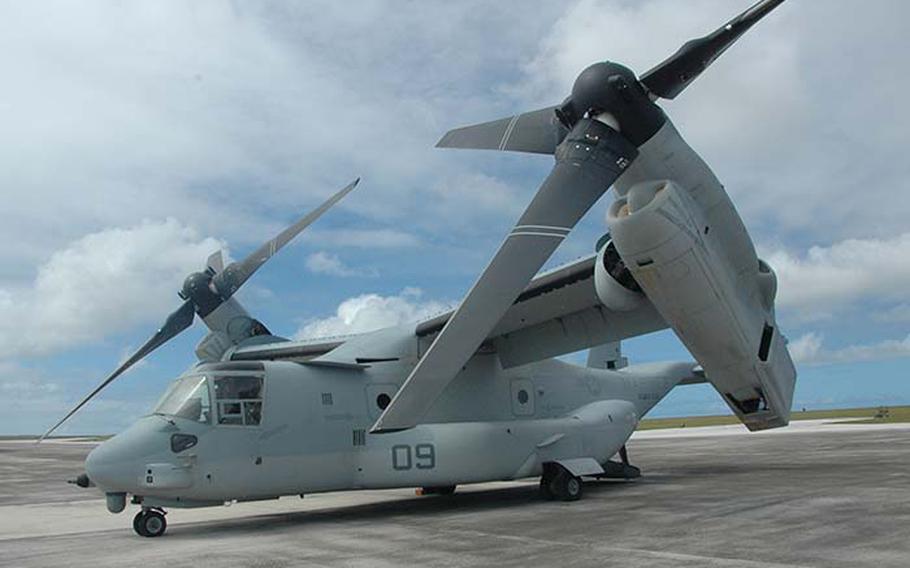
pixel 426 506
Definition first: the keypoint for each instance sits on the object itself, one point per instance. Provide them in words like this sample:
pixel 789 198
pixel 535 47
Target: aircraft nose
pixel 117 464
pixel 105 469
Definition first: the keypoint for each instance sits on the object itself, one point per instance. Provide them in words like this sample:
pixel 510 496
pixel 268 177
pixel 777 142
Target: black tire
pixel 566 486
pixel 138 523
pixel 152 524
pixel 545 492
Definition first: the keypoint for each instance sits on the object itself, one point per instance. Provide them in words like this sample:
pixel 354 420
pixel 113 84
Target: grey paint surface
pixel 481 428
pixel 825 498
pixel 536 131
pixel 588 161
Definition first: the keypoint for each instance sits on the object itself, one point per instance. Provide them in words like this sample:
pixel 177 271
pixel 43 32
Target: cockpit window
pixel 239 400
pixel 187 398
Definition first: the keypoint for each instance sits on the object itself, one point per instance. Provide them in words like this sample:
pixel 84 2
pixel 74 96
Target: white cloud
pixel 806 347
pixel 826 280
pixel 236 112
pixel 321 262
pixel 101 284
pixel 896 314
pixel 369 312
pixel 810 349
pixel 362 238
pixel 18 383
pixel 237 116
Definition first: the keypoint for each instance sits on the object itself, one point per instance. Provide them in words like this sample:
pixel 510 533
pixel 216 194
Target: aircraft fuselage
pixel 310 430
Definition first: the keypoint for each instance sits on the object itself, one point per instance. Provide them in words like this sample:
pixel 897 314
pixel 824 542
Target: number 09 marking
pixel 422 455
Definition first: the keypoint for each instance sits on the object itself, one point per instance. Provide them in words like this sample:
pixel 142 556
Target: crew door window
pixel 239 400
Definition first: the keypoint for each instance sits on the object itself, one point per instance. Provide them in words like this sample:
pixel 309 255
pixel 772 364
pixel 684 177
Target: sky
pixel 139 137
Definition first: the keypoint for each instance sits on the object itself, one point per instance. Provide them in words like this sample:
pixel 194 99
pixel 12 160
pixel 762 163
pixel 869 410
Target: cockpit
pixel 230 399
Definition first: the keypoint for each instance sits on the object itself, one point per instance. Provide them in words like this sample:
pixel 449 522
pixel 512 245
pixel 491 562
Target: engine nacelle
pixel 719 302
pixel 613 281
pixel 767 284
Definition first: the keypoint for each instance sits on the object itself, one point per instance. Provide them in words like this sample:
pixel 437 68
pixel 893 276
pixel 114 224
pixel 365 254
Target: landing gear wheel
pixel 566 486
pixel 149 523
pixel 545 492
pixel 137 523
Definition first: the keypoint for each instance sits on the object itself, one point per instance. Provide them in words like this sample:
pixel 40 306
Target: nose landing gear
pixel 150 522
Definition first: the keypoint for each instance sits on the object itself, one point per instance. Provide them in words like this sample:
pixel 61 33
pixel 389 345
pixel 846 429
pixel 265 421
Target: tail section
pixel 607 356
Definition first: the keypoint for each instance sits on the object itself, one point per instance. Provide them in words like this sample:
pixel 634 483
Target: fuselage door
pixel 522 397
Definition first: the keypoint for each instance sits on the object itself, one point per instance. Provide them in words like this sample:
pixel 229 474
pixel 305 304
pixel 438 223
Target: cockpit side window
pixel 239 400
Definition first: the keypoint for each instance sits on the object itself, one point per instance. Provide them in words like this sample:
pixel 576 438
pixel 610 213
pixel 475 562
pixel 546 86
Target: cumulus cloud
pixel 362 238
pixel 895 314
pixel 101 284
pixel 829 279
pixel 237 112
pixel 321 262
pixel 369 312
pixel 809 348
pixel 806 347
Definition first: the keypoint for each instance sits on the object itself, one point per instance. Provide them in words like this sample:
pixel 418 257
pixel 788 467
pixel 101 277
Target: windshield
pixel 187 398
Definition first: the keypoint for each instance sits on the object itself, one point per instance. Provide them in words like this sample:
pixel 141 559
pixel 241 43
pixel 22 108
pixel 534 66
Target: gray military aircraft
pixel 475 395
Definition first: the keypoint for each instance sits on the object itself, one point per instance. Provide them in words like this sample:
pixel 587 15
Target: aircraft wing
pixel 298 351
pixel 558 313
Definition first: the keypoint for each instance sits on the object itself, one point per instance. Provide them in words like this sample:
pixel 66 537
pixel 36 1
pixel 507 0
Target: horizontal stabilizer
pixel 537 132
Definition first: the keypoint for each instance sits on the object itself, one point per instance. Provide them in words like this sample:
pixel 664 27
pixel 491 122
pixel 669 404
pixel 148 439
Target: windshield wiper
pixel 165 418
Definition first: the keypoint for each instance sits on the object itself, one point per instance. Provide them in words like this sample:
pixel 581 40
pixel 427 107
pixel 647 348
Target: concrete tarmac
pixel 810 495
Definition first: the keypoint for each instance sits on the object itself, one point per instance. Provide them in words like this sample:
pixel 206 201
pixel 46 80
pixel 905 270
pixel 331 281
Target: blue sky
pixel 139 137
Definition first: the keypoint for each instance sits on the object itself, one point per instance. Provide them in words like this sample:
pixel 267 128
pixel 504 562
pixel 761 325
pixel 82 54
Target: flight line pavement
pixel 811 495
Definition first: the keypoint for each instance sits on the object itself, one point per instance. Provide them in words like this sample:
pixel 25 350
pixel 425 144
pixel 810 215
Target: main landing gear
pixel 558 483
pixel 150 522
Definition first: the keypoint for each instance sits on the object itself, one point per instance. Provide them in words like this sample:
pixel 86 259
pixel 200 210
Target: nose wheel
pixel 150 523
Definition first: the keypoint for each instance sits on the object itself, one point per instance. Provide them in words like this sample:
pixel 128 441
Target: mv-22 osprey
pixel 475 395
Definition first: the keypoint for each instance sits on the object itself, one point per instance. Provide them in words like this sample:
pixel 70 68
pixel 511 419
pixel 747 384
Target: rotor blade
pixel 231 278
pixel 215 262
pixel 589 160
pixel 173 325
pixel 537 132
pixel 670 77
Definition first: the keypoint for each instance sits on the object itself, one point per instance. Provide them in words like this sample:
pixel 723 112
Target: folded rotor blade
pixel 537 132
pixel 231 278
pixel 215 262
pixel 670 77
pixel 173 325
pixel 589 160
